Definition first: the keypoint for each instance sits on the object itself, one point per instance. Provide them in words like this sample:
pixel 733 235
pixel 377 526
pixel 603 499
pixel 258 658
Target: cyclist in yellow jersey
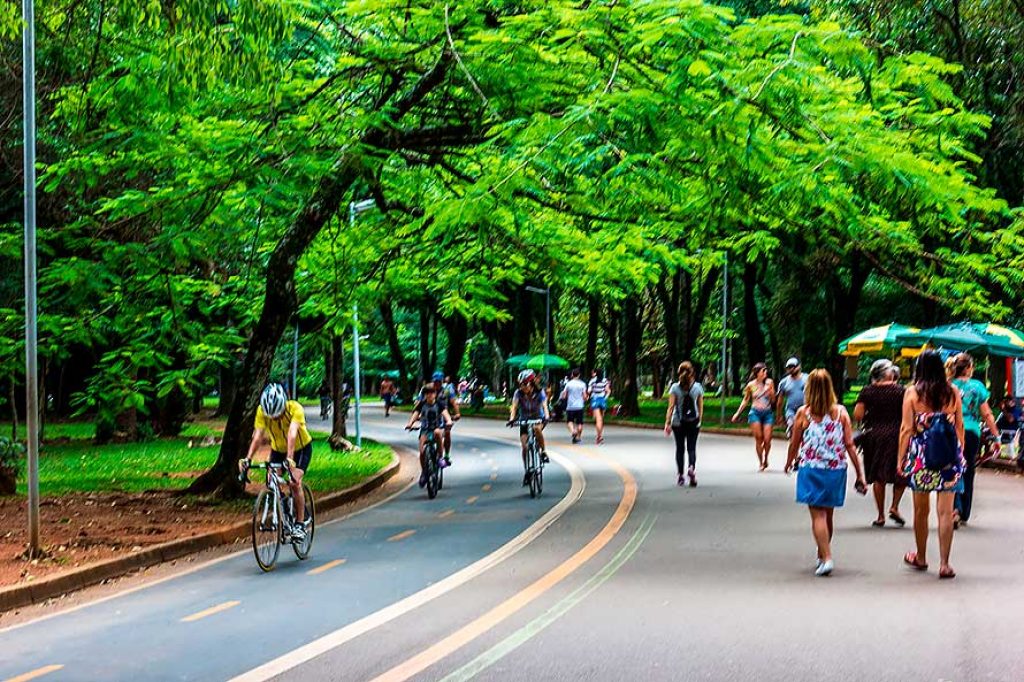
pixel 283 422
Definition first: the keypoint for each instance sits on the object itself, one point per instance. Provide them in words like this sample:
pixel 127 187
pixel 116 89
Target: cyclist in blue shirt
pixel 432 417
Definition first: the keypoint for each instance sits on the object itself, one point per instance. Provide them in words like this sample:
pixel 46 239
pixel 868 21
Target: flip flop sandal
pixel 897 519
pixel 947 574
pixel 910 558
pixel 877 524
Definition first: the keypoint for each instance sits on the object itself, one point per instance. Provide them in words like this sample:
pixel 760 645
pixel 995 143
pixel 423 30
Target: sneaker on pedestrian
pixel 693 477
pixel 825 568
pixel 681 480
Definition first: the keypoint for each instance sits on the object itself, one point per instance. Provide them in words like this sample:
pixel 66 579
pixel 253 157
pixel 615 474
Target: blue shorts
pixel 763 417
pixel 599 403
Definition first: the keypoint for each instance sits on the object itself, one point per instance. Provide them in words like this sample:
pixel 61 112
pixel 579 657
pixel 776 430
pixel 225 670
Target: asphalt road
pixel 635 579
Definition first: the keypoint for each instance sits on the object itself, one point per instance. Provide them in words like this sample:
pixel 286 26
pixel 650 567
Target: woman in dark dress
pixel 879 409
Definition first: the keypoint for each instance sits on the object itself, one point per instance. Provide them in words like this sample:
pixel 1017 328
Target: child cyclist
pixel 529 402
pixel 432 417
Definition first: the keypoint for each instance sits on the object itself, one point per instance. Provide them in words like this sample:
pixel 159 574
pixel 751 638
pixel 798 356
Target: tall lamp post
pixel 31 324
pixel 547 294
pixel 355 208
pixel 724 381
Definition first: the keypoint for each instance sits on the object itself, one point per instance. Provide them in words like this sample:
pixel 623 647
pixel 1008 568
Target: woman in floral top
pixel 822 440
pixel 931 397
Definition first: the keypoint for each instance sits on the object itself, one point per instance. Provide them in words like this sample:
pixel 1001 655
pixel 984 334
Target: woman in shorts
pixel 759 393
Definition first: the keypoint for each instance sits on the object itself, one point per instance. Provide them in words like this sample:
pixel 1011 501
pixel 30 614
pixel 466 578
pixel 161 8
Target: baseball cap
pixel 792 362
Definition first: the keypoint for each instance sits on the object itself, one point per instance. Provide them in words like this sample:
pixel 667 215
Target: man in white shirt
pixel 575 396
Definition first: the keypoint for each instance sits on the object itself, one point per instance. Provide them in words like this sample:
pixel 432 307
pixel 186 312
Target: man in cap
pixel 791 392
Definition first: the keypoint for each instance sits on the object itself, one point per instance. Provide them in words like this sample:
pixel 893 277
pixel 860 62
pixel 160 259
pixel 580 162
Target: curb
pixel 17 596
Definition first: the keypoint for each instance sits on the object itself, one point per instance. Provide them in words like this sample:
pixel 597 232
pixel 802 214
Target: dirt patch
pixel 79 529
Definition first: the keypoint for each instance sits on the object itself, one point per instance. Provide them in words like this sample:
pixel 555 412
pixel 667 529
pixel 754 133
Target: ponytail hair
pixel 687 374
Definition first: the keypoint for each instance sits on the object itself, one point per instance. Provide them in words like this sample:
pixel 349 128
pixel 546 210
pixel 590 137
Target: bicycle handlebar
pixel 525 422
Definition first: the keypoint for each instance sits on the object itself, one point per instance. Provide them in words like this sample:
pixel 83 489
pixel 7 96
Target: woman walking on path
pixel 879 409
pixel 925 440
pixel 974 399
pixel 682 419
pixel 600 390
pixel 822 440
pixel 759 393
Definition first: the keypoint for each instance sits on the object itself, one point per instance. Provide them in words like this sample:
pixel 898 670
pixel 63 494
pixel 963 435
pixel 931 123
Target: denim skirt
pixel 818 487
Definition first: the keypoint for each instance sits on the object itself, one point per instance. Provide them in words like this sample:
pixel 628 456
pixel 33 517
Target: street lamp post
pixel 724 380
pixel 547 335
pixel 31 324
pixel 354 208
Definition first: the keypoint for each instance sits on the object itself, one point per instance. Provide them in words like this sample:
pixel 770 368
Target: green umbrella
pixel 517 360
pixel 391 374
pixel 874 339
pixel 962 336
pixel 545 361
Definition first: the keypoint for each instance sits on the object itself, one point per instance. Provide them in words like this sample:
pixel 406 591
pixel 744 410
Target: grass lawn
pixel 652 411
pixel 169 463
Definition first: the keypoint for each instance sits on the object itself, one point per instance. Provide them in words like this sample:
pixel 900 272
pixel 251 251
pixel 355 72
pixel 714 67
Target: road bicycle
pixel 534 462
pixel 434 470
pixel 273 517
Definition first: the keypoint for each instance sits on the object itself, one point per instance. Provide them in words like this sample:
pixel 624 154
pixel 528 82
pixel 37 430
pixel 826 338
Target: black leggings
pixel 965 500
pixel 686 440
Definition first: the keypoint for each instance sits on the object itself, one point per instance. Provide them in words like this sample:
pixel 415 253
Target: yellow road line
pixel 471 500
pixel 486 488
pixel 401 536
pixel 326 567
pixel 515 603
pixel 446 513
pixel 38 672
pixel 210 611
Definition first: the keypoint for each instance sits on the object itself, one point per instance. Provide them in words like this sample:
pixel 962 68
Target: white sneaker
pixel 298 533
pixel 824 568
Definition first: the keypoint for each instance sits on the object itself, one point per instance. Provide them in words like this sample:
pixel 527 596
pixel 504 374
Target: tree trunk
pixel 387 314
pixel 14 411
pixel 696 317
pixel 845 303
pixel 424 344
pixel 632 337
pixel 278 307
pixel 593 326
pixel 339 419
pixel 433 341
pixel 457 329
pixel 279 299
pixel 751 319
pixel 227 389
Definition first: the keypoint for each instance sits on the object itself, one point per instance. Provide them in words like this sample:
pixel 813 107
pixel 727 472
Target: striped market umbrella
pixel 875 339
pixel 1015 336
pixel 963 336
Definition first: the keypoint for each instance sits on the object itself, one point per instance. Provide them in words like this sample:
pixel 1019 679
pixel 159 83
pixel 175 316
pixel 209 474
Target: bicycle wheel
pixel 534 473
pixel 431 456
pixel 266 529
pixel 540 479
pixel 302 548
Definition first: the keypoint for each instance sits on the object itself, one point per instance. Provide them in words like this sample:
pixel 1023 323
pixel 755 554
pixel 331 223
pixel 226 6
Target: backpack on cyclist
pixel 940 443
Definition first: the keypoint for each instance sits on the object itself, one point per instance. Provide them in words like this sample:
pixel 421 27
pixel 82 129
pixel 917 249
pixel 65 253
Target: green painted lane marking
pixel 533 628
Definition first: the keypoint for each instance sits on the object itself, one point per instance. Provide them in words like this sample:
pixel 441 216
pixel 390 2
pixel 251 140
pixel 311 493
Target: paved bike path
pixel 242 617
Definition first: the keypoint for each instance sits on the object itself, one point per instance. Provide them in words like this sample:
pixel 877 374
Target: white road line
pixel 199 567
pixel 339 637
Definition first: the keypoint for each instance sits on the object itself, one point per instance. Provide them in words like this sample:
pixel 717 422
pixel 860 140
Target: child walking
pixel 822 441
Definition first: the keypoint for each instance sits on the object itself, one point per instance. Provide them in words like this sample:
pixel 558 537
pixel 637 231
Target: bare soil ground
pixel 81 528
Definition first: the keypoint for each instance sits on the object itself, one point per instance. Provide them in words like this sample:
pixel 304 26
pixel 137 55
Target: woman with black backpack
pixel 682 419
pixel 931 456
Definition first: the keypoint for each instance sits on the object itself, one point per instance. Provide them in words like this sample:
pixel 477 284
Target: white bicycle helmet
pixel 273 400
pixel 527 375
